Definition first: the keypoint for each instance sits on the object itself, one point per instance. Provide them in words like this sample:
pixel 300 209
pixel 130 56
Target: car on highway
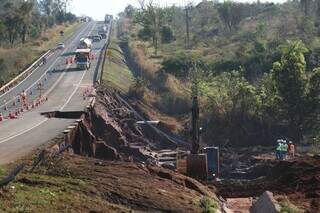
pixel 103 34
pixel 60 46
pixel 96 38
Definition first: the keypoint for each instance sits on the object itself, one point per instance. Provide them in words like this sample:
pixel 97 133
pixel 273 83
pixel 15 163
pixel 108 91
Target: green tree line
pixel 23 19
pixel 266 86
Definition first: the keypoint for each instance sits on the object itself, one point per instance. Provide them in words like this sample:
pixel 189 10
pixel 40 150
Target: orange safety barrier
pixel 12 116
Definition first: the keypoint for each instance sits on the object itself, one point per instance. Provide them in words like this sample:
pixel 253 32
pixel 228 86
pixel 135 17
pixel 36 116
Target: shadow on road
pixel 67 54
pixel 74 69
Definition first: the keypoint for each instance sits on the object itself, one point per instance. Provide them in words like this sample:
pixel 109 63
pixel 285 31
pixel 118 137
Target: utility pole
pixel 188 27
pixel 195 126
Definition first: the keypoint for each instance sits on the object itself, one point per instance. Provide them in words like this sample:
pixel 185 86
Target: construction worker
pixel 284 150
pixel 291 149
pixel 24 97
pixel 278 149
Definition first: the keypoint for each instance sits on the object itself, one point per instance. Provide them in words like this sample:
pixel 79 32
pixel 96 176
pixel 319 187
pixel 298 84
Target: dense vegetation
pixel 255 66
pixel 23 21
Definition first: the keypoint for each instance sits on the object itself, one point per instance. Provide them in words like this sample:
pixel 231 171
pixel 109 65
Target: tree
pixel 25 10
pixel 230 13
pixel 291 83
pixel 12 21
pixel 153 18
pixel 305 6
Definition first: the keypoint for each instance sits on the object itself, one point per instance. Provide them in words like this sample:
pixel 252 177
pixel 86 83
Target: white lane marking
pixel 74 91
pixel 19 83
pixel 78 85
pixel 54 63
pixel 38 66
pixel 3 140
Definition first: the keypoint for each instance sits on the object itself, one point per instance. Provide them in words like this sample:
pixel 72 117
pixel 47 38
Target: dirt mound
pixel 300 175
pixel 298 179
pixel 134 186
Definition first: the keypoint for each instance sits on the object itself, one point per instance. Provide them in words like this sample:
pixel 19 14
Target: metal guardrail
pixel 105 48
pixel 12 175
pixel 25 73
pixel 40 159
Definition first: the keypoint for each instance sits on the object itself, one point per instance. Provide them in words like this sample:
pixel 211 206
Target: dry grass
pixel 16 59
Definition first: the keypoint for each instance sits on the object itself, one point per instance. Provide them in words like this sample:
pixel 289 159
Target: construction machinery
pixel 201 163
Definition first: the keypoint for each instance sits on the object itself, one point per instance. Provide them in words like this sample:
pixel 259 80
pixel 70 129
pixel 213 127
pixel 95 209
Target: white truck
pixel 83 59
pixel 85 43
pixel 83 54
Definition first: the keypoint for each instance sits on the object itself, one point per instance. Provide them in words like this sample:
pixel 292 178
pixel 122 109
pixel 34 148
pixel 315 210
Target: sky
pixel 98 8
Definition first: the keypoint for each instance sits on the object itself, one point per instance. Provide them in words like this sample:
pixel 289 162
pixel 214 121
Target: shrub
pixel 166 34
pixel 180 64
pixel 145 34
pixel 208 205
pixel 138 88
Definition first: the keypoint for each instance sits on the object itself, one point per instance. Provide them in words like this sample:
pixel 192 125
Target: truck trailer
pixel 85 43
pixel 83 60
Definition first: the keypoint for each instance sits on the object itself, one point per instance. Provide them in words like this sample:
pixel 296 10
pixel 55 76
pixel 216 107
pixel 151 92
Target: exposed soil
pixel 252 174
pixel 134 186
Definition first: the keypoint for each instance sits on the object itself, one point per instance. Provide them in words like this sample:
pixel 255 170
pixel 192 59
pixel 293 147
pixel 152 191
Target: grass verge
pixel 116 72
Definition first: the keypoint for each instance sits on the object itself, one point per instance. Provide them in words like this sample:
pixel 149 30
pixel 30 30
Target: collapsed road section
pixel 111 130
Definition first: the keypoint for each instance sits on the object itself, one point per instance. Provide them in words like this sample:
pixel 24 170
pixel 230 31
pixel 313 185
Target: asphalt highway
pixel 62 84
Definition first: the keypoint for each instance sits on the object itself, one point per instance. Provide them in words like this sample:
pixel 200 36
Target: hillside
pixel 226 53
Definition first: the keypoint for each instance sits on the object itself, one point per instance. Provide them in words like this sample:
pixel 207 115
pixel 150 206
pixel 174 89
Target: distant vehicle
pixel 85 43
pixel 108 19
pixel 96 38
pixel 60 46
pixel 102 34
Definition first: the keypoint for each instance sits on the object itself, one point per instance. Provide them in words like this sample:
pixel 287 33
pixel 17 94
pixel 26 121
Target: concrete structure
pixel 265 204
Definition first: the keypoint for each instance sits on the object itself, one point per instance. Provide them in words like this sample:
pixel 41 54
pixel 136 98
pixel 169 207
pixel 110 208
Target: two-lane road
pixel 64 87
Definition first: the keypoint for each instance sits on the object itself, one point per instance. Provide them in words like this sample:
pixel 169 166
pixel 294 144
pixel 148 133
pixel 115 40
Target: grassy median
pixel 116 72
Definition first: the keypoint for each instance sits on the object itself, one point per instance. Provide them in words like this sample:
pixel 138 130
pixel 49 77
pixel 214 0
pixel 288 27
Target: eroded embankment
pixel 86 179
pixel 297 179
